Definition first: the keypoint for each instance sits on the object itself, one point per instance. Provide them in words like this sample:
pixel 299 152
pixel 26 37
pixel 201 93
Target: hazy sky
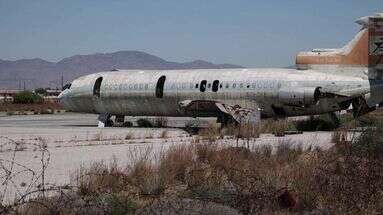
pixel 246 32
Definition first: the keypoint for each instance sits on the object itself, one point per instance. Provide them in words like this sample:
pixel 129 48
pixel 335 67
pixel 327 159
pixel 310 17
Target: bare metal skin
pixel 328 80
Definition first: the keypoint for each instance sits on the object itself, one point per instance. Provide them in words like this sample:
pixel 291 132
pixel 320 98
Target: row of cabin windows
pixel 216 85
pixel 161 82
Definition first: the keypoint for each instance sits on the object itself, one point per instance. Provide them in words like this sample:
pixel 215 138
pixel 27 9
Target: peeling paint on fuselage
pixel 132 92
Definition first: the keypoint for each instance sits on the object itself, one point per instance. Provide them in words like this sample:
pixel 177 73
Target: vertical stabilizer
pixel 375 26
pixel 364 51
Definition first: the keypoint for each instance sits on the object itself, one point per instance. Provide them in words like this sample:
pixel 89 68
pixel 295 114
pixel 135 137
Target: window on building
pixel 67 86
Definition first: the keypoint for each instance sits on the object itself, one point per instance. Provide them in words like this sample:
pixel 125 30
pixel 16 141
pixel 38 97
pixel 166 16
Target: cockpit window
pixel 67 86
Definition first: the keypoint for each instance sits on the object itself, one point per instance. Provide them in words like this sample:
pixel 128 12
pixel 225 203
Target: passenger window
pixel 220 86
pixel 196 85
pixel 248 85
pixel 208 85
pixel 160 87
pixel 97 87
pixel 215 85
pixel 202 87
pixel 234 85
pixel 227 85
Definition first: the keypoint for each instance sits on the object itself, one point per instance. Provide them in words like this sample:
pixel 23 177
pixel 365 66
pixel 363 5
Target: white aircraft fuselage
pixel 134 92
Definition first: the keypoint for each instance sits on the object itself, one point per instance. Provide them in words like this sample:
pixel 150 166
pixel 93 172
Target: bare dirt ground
pixel 72 140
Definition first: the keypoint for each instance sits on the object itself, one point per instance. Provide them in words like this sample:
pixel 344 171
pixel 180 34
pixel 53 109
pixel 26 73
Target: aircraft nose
pixel 61 98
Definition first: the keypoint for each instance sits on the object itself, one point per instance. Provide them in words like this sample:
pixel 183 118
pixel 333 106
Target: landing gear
pixel 360 107
pixel 120 119
pixel 104 120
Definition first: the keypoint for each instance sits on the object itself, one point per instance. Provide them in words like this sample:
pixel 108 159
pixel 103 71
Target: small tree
pixel 40 91
pixel 27 97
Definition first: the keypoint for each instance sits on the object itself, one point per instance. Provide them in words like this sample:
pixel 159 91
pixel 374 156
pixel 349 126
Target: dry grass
pixel 346 179
pixel 164 134
pixel 210 133
pixel 276 127
pixel 97 137
pixel 129 136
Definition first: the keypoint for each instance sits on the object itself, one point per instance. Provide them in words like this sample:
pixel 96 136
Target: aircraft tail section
pixel 364 51
pixel 376 44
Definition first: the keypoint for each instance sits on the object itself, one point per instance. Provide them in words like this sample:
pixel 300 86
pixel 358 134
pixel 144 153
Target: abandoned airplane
pixel 325 81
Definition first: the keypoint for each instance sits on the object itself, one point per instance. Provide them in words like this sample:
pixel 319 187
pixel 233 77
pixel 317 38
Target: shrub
pixel 145 123
pixel 129 136
pixel 144 176
pixel 40 91
pixel 369 144
pixel 161 122
pixel 127 124
pixel 27 97
pixel 321 123
pixel 174 162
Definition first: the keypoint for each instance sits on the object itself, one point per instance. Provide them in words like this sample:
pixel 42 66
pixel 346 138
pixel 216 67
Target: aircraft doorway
pixel 160 87
pixel 97 87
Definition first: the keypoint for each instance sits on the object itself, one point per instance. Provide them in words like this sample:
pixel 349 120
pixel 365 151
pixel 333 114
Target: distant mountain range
pixel 40 73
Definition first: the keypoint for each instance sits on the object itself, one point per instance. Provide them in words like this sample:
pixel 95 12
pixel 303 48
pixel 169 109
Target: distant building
pixel 51 95
pixel 6 96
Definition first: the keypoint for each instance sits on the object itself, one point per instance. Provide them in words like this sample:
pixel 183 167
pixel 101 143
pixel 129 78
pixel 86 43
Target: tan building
pixel 6 96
